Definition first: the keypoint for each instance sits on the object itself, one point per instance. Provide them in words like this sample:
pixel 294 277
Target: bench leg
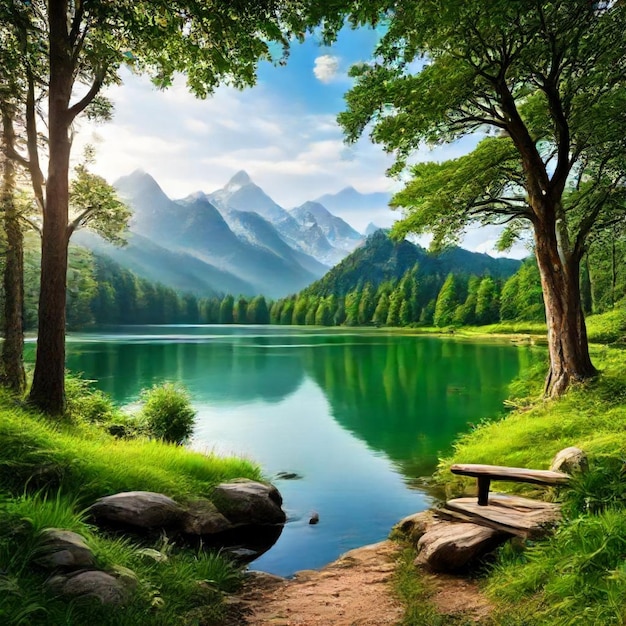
pixel 483 490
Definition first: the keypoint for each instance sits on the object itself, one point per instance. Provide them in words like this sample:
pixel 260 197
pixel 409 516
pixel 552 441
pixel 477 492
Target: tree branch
pixel 79 221
pixel 84 102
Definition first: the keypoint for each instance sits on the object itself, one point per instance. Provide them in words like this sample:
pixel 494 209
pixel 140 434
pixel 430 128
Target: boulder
pixel 203 518
pixel 570 460
pixel 89 584
pixel 451 546
pixel 138 509
pixel 244 501
pixel 63 549
pixel 413 527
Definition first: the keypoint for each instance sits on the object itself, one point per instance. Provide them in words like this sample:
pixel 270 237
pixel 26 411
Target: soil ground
pixel 355 590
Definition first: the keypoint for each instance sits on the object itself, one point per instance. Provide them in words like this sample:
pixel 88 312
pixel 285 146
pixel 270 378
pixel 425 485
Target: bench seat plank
pixel 513 474
pixel 512 514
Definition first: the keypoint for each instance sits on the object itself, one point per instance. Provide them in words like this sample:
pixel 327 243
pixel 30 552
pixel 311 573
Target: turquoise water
pixel 361 417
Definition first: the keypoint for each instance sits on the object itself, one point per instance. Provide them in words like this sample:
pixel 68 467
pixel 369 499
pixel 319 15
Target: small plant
pixel 597 490
pixel 84 403
pixel 167 413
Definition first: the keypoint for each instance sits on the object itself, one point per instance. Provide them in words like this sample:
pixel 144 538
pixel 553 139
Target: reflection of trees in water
pixel 409 397
pixel 240 371
pixel 405 396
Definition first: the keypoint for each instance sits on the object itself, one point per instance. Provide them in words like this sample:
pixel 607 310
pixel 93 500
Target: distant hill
pixel 381 259
pixel 158 264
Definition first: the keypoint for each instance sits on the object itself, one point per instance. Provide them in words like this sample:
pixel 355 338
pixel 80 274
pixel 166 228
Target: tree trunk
pixel 13 375
pixel 567 332
pixel 48 390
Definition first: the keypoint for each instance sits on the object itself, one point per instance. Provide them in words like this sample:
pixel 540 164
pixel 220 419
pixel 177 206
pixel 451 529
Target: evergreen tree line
pixel 101 292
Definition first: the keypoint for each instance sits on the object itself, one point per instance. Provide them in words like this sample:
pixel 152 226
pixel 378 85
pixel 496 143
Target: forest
pixel 100 292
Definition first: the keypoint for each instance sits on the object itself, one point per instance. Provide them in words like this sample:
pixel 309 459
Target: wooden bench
pixel 512 514
pixel 486 473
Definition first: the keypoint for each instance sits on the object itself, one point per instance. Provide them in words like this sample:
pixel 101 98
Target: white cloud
pixel 326 68
pixel 293 154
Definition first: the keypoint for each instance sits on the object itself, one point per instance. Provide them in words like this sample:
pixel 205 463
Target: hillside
pixel 382 259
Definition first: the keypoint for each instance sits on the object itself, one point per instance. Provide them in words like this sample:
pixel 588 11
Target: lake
pixel 360 416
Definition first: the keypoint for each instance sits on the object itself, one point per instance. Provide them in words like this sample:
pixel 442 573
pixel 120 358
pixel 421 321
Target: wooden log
pixel 449 546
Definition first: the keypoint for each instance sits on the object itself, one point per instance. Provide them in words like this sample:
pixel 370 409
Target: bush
pixel 167 413
pixel 84 403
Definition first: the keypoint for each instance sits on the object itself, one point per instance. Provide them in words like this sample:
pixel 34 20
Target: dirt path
pixel 355 590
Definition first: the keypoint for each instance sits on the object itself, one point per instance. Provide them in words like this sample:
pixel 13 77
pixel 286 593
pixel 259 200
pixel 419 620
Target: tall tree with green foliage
pixel 487 302
pixel 447 301
pixel 87 42
pixel 547 80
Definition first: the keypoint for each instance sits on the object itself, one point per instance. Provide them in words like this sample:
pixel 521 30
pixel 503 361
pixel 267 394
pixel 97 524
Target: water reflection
pixel 405 396
pixel 360 416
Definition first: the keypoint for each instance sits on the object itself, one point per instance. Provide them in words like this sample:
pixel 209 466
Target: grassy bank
pixel 51 470
pixel 578 576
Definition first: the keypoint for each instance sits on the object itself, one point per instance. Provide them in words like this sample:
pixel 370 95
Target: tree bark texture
pixel 48 389
pixel 567 333
pixel 13 375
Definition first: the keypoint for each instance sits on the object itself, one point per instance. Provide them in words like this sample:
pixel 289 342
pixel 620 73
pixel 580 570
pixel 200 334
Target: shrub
pixel 84 403
pixel 167 412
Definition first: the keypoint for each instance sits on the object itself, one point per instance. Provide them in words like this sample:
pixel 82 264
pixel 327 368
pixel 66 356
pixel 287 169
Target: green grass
pixel 578 576
pixel 87 462
pixel 415 589
pixel 51 470
pixel 591 416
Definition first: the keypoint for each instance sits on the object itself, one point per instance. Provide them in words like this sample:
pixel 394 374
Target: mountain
pixel 241 194
pixel 382 259
pixel 359 208
pixel 338 232
pixel 371 228
pixel 161 265
pixel 194 227
pixel 257 231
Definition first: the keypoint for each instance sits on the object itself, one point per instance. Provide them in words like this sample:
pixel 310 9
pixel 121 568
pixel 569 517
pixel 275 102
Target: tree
pixel 447 301
pixel 87 42
pixel 547 79
pixel 395 304
pixel 487 302
pixel 258 313
pixel 367 305
pixel 12 374
pixel 382 310
pixel 226 310
pixel 240 312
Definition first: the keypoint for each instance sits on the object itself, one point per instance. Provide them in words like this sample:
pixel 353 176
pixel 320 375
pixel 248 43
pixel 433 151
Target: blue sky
pixel 283 132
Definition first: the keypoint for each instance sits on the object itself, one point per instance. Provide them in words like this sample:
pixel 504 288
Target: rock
pixel 570 460
pixel 89 584
pixel 244 501
pixel 287 476
pixel 413 527
pixel 63 549
pixel 451 546
pixel 139 509
pixel 126 576
pixel 203 518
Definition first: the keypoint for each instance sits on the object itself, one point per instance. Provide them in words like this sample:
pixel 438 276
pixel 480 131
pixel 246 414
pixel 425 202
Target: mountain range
pixel 238 240
pixel 233 240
